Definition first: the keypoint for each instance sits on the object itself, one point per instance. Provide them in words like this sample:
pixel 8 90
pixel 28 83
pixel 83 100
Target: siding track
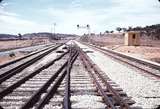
pixel 70 81
pixel 147 67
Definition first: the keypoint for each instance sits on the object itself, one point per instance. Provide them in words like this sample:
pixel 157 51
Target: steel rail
pixel 37 95
pixel 110 53
pixel 18 69
pixel 107 100
pixel 66 100
pixel 132 65
pixel 97 71
pixel 24 79
pixel 54 88
pixel 24 57
pixel 131 58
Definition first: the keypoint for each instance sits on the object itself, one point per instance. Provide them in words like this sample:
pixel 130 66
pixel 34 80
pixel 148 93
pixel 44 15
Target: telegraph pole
pixel 89 30
pixel 54 29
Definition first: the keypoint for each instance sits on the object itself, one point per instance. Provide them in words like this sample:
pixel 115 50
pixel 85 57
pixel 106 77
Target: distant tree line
pixel 152 31
pixel 107 31
pixel 19 36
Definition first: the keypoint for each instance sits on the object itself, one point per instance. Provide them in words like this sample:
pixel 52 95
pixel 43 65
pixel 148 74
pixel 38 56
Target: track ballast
pixel 71 80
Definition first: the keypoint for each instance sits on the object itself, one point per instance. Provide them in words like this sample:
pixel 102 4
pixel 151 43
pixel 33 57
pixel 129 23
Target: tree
pixel 129 28
pixel 1 1
pixel 106 31
pixel 118 29
pixel 111 31
pixel 152 31
pixel 124 29
pixel 19 36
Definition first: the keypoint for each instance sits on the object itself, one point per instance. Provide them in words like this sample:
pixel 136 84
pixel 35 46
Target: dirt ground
pixel 146 52
pixel 7 58
pixel 4 45
pixel 8 45
pixel 149 49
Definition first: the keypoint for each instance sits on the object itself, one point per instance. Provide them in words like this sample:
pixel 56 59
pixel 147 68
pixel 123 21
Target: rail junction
pixel 63 77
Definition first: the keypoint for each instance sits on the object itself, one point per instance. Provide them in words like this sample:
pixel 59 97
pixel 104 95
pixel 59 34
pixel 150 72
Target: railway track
pixel 13 67
pixel 71 80
pixel 13 94
pixel 113 98
pixel 146 67
pixel 25 57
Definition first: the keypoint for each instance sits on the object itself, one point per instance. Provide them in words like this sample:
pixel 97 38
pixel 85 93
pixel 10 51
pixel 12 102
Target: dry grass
pixel 21 43
pixel 6 45
pixel 149 49
pixel 4 59
pixel 150 53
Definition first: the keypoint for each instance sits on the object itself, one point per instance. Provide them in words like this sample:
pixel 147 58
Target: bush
pixel 12 54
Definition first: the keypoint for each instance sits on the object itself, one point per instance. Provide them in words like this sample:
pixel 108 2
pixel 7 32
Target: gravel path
pixel 145 91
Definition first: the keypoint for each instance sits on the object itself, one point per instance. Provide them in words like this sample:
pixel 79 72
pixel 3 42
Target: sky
pixel 28 16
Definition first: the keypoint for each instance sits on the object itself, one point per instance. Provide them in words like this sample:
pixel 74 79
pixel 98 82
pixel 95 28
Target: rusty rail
pixel 94 70
pixel 24 79
pixel 6 75
pixel 113 54
pixel 66 101
pixel 24 57
pixel 54 88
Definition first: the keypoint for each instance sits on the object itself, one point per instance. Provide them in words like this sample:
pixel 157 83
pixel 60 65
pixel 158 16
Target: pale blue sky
pixel 26 16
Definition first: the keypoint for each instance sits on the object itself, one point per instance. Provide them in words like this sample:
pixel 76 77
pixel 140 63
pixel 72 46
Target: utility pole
pixel 53 31
pixel 89 30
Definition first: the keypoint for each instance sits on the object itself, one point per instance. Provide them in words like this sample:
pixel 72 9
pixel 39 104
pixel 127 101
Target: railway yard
pixel 78 75
pixel 79 54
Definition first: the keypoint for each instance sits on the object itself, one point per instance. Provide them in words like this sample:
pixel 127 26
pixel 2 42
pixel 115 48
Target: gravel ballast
pixel 145 91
